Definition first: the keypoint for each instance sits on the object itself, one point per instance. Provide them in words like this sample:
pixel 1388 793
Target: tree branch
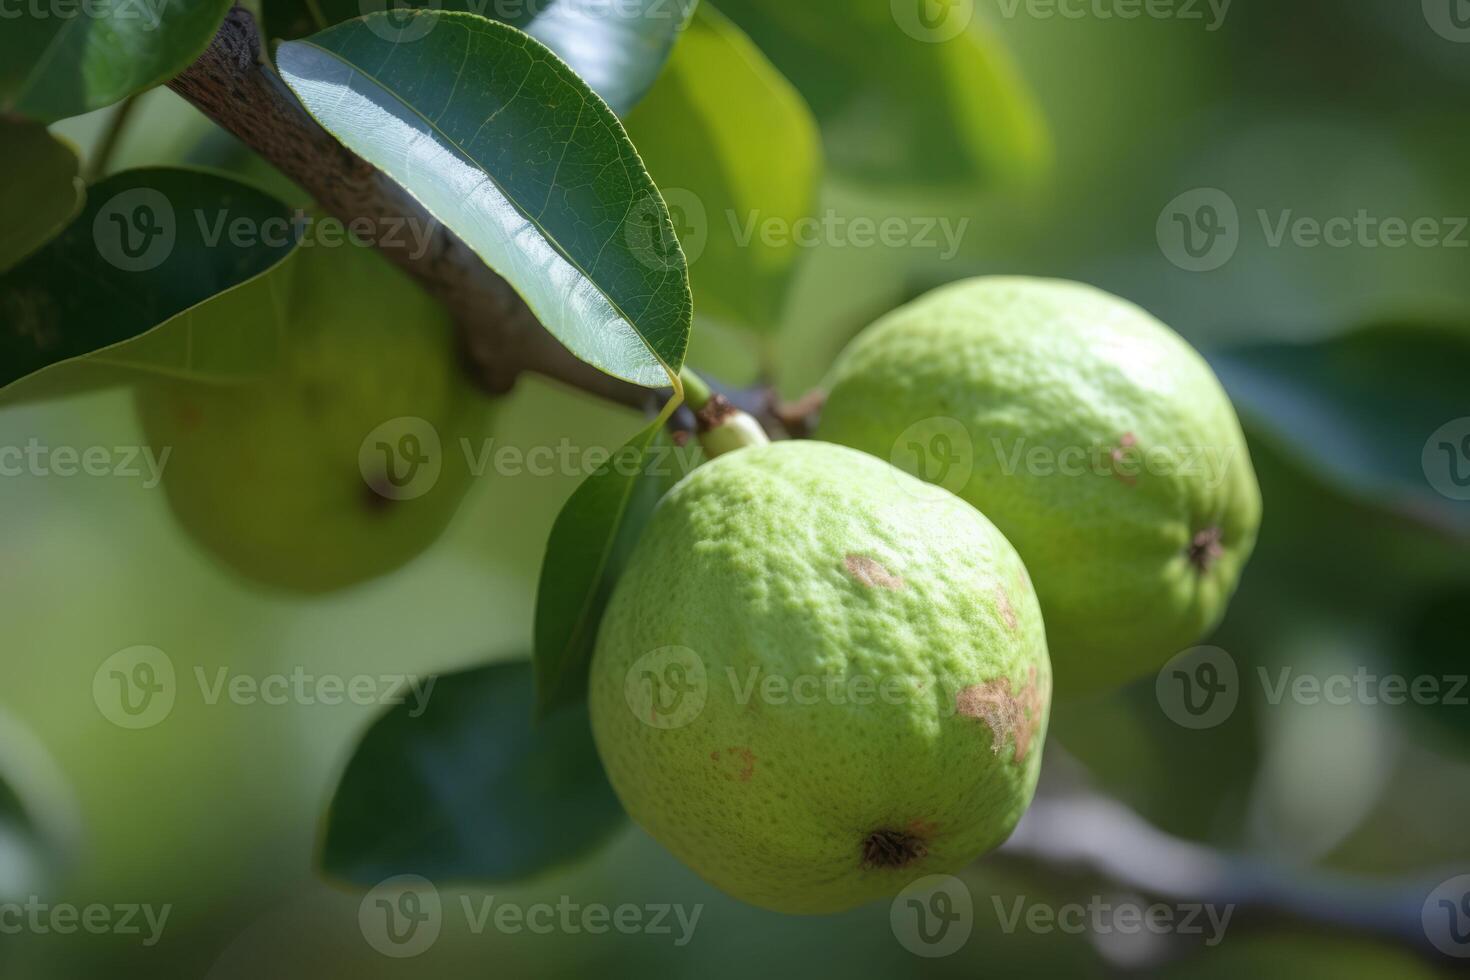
pixel 1077 832
pixel 502 338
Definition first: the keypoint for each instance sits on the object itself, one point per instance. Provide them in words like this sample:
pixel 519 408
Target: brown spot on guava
pixel 736 763
pixel 892 849
pixel 872 574
pixel 1007 611
pixel 1013 717
pixel 1205 548
pixel 188 415
pixel 1126 443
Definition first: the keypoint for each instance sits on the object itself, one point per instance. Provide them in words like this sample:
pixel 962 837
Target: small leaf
pixel 458 784
pixel 63 60
pixel 912 92
pixel 1374 412
pixel 41 191
pixel 150 245
pixel 734 147
pixel 617 48
pixel 505 145
pixel 588 549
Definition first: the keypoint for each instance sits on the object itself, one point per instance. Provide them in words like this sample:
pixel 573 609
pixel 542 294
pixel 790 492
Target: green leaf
pixel 457 783
pixel 500 141
pixel 40 822
pixel 617 48
pixel 40 192
pixel 21 856
pixel 912 92
pixel 150 246
pixel 588 549
pixel 59 60
pixel 734 147
pixel 1373 412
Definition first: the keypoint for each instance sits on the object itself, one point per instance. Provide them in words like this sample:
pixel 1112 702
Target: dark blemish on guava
pixel 870 573
pixel 189 416
pixel 1205 548
pixel 1007 611
pixel 377 495
pixel 1126 443
pixel 1013 717
pixel 738 763
pixel 892 849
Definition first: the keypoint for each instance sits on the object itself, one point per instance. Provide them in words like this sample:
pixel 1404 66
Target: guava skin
pixel 869 668
pixel 1097 440
pixel 266 475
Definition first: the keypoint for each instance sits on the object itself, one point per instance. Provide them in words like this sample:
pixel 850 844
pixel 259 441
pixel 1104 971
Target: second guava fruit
pixel 1097 440
pixel 818 680
pixel 344 462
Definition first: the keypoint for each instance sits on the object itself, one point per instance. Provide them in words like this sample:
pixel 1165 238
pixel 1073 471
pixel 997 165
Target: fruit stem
pixel 723 428
pixel 696 392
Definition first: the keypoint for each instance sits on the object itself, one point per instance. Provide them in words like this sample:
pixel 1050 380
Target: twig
pixel 1078 832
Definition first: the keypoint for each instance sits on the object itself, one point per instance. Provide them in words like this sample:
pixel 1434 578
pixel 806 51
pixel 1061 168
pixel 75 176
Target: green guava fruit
pixel 1097 440
pixel 818 680
pixel 345 462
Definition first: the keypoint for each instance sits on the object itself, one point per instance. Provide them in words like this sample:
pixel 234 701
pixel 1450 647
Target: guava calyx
pixel 892 849
pixel 1205 548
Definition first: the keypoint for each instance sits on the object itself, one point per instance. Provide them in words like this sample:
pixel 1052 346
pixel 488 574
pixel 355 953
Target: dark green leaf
pixel 588 549
pixel 734 148
pixel 59 60
pixel 1373 412
pixel 40 192
pixel 617 47
pixel 460 785
pixel 914 92
pixel 150 245
pixel 505 145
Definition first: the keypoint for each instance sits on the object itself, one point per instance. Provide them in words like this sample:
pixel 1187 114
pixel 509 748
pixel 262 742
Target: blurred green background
pixel 1312 107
